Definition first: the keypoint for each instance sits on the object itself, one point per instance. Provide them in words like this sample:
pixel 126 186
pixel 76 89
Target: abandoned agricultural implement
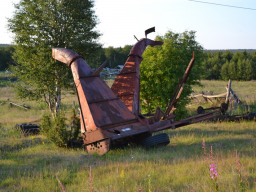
pixel 110 117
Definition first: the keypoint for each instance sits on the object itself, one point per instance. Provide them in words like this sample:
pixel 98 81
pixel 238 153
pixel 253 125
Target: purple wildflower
pixel 213 171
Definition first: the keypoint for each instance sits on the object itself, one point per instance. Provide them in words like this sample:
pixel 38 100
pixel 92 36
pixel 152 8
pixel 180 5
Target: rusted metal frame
pixel 136 97
pixel 135 55
pixel 158 113
pixel 119 87
pixel 124 95
pixel 107 126
pixel 187 121
pixel 211 108
pixel 128 134
pixel 65 56
pixel 180 87
pixel 127 73
pixel 87 77
pixel 91 137
pixel 102 100
pixel 200 117
pixel 97 71
pixel 205 117
pixel 75 58
pixel 81 110
pixel 133 61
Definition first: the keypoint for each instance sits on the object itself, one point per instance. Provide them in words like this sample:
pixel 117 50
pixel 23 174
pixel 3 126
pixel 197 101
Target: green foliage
pixel 98 58
pixel 163 67
pixel 117 56
pixel 5 57
pixel 38 26
pixel 58 131
pixel 75 125
pixel 228 65
pixel 213 63
pixel 55 129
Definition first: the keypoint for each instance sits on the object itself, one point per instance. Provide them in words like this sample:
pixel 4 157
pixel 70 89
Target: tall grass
pixel 31 163
pixel 246 90
pixel 177 167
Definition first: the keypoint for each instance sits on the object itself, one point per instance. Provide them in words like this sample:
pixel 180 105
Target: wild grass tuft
pixel 31 163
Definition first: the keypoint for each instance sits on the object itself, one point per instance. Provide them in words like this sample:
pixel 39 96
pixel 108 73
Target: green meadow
pixel 33 163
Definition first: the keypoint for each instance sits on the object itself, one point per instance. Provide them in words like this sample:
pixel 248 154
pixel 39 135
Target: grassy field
pixel 32 163
pixel 246 90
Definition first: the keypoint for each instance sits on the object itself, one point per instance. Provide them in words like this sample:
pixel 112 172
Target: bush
pixel 75 126
pixel 58 131
pixel 163 67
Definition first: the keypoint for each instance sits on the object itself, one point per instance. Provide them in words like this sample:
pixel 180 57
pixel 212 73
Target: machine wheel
pixel 200 110
pixel 223 107
pixel 155 140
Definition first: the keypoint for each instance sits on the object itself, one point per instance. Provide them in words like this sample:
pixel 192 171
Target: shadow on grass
pixel 26 143
pixel 225 141
pixel 212 132
pixel 15 164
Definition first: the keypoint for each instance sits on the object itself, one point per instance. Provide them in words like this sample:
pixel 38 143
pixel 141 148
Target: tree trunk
pixel 57 98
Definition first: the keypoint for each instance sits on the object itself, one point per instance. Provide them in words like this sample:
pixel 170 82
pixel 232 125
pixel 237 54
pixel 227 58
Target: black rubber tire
pixel 155 140
pixel 223 107
pixel 200 110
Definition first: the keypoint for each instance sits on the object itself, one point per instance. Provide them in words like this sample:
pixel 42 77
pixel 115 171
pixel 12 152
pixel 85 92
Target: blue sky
pixel 217 27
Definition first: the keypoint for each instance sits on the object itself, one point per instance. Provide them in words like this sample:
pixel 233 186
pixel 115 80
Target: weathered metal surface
pixel 101 147
pixel 111 117
pixel 99 105
pixel 127 84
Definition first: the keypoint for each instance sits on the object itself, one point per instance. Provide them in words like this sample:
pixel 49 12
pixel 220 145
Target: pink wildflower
pixel 213 171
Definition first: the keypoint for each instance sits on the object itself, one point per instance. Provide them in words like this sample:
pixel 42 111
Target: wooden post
pixel 228 91
pixel 17 105
pixel 61 185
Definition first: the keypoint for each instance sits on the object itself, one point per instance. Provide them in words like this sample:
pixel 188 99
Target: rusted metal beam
pixel 180 87
pixel 97 72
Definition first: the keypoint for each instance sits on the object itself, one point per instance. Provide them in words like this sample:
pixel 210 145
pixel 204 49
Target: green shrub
pixel 75 126
pixel 55 129
pixel 163 67
pixel 58 131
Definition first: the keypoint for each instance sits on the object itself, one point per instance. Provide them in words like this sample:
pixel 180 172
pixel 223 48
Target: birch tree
pixel 39 25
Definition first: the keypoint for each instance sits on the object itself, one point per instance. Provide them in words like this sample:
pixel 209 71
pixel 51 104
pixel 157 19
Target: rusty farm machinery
pixel 110 117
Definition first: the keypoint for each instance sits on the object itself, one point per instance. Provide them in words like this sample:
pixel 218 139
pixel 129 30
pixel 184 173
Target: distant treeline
pixel 218 64
pixel 115 56
pixel 5 56
pixel 224 65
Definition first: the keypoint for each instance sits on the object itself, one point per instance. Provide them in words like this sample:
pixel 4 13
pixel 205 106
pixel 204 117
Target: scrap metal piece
pixel 180 87
pixel 97 72
pixel 150 30
pixel 111 117
pixel 127 84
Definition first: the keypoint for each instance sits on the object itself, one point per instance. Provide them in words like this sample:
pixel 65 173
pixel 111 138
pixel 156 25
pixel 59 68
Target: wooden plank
pixel 21 106
pixel 228 91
